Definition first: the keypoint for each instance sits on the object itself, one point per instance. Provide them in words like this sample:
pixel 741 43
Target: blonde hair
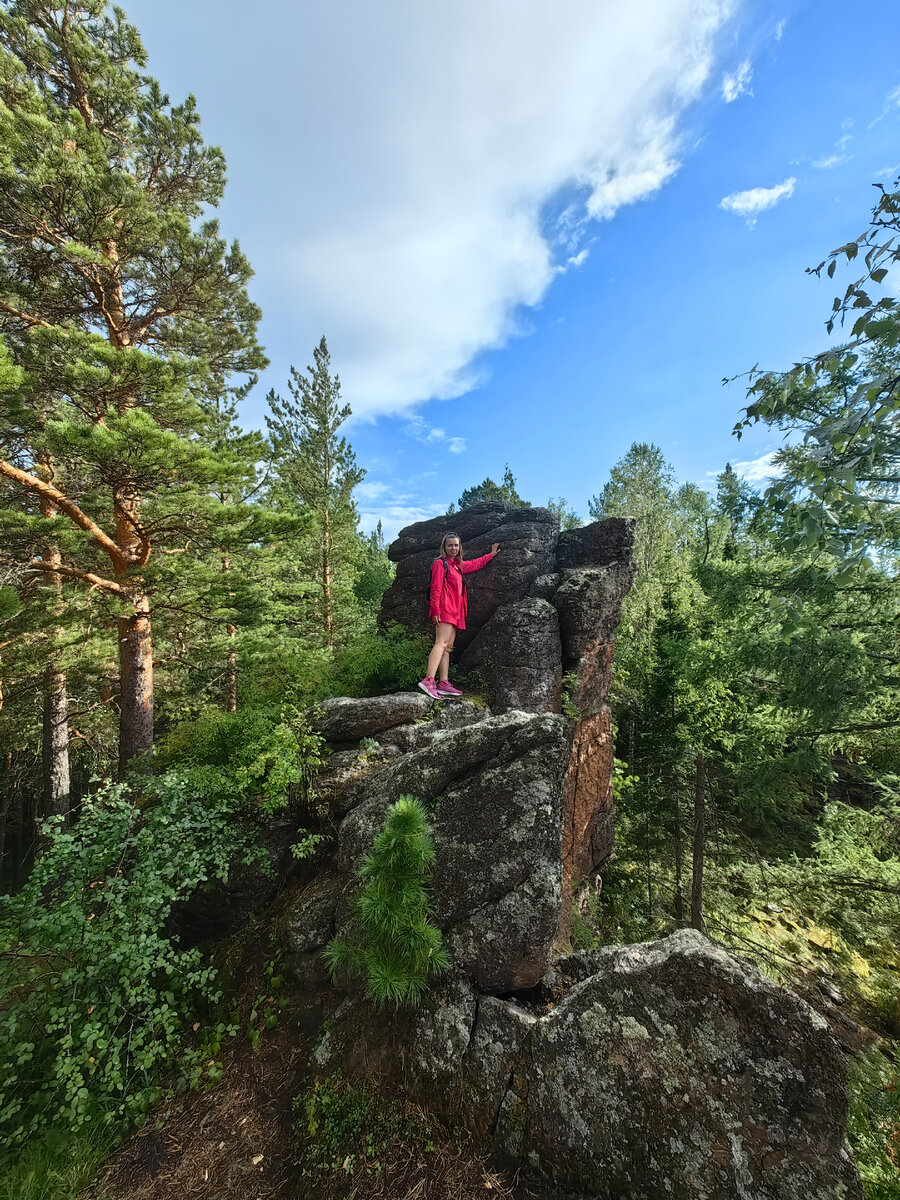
pixel 443 553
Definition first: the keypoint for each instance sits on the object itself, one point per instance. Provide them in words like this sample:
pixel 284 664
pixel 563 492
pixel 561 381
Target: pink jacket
pixel 448 600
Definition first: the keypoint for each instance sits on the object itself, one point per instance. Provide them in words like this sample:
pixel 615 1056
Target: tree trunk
pixel 55 746
pixel 135 684
pixel 135 647
pixel 4 811
pixel 699 843
pixel 55 754
pixel 231 675
pixel 326 580
pixel 231 669
pixel 679 860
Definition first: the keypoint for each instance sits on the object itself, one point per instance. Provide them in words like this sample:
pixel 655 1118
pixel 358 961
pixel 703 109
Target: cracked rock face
pixel 669 1069
pixel 520 653
pixel 527 538
pixel 493 792
pixel 674 1070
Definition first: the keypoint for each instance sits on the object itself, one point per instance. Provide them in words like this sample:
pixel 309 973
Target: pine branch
pixel 48 492
pixel 29 319
pixel 96 581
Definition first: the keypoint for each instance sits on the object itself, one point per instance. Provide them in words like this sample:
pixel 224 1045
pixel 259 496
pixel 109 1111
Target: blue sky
pixel 517 205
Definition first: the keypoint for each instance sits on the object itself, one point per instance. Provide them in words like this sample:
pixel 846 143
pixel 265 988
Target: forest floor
pixel 237 1141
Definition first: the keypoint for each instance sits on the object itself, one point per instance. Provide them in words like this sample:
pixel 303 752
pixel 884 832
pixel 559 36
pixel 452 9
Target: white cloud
pixel 370 490
pixel 757 470
pixel 779 30
pixel 738 84
pixel 831 160
pixel 751 203
pixel 891 104
pixel 433 435
pixel 426 143
pixel 394 517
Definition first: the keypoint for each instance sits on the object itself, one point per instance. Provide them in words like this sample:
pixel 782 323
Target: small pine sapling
pixel 392 942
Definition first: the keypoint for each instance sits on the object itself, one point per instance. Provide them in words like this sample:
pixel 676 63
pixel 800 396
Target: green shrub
pixel 268 752
pixel 392 943
pixel 873 1127
pixel 95 998
pixel 349 1130
pixel 388 661
pixel 57 1164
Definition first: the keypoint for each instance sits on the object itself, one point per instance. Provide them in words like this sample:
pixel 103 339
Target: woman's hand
pixel 495 549
pixel 435 620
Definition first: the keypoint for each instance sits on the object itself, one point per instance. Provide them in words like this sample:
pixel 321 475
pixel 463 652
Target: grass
pixel 58 1165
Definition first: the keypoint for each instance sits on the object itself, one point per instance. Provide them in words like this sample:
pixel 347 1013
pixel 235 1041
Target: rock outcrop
pixel 667 1069
pixel 493 790
pixel 527 536
pixel 543 613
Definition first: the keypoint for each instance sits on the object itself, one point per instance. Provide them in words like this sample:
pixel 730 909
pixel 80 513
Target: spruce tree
pixel 316 470
pixel 125 310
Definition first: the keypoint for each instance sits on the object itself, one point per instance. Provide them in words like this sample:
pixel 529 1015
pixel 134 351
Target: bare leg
pixel 444 636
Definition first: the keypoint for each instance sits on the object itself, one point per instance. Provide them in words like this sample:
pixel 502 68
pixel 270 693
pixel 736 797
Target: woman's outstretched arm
pixel 475 564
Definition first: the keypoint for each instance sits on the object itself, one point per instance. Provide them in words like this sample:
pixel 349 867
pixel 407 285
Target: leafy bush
pixel 389 661
pixel 873 1127
pixel 392 942
pixel 264 751
pixel 95 999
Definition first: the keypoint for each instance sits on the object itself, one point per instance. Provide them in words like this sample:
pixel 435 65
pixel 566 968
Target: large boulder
pixel 668 1069
pixel 527 538
pixel 674 1070
pixel 597 544
pixel 493 791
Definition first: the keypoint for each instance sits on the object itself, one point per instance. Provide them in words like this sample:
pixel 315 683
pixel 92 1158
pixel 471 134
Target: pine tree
pixel 489 492
pixel 376 572
pixel 124 309
pixel 316 470
pixel 392 942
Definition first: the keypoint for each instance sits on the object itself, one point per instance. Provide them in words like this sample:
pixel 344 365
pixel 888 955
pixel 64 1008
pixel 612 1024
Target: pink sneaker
pixel 429 687
pixel 448 691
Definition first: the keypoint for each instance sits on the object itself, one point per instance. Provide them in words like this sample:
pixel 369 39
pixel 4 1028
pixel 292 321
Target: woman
pixel 447 608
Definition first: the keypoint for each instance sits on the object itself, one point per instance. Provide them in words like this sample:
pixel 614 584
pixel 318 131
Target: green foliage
pixel 264 752
pixel 57 1164
pixel 307 845
pixel 376 571
pixel 392 943
pixel 568 517
pixel 841 469
pixel 389 660
pixel 346 1129
pixel 873 1126
pixel 316 470
pixel 569 707
pixel 489 492
pixel 95 998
